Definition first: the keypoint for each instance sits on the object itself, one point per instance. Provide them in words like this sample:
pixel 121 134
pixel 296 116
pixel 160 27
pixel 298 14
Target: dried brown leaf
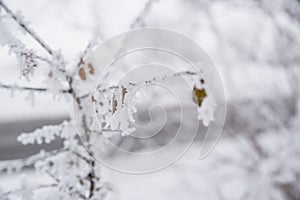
pixel 82 74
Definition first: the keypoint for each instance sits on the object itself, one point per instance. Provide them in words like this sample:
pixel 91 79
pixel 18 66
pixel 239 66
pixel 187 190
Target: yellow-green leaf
pixel 199 95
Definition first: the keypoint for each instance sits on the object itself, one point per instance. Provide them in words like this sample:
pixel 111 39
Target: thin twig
pixel 80 156
pixel 23 88
pixel 15 87
pixel 41 58
pixel 155 79
pixel 70 188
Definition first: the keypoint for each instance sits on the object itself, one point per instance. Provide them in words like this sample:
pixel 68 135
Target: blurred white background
pixel 254 44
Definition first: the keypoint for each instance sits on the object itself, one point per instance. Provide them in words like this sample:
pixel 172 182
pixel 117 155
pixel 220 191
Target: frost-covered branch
pixel 155 79
pixel 28 58
pixel 47 134
pixel 115 111
pixel 19 19
pixel 17 165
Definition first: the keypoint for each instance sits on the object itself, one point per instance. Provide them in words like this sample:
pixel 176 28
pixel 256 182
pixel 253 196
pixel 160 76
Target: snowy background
pixel 255 46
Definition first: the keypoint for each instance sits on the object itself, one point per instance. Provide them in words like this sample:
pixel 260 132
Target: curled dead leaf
pixel 93 99
pixel 124 91
pixel 114 104
pixel 91 68
pixel 50 74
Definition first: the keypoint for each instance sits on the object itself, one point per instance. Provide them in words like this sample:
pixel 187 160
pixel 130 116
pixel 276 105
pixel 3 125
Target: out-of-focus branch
pixel 26 28
pixel 91 44
pixel 138 20
pixel 41 58
pixel 145 11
